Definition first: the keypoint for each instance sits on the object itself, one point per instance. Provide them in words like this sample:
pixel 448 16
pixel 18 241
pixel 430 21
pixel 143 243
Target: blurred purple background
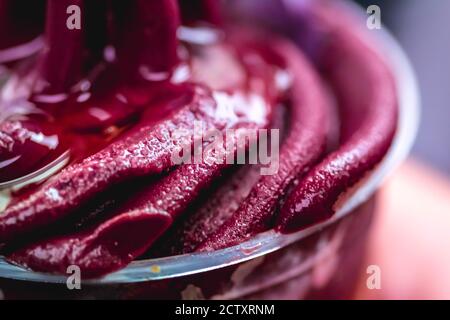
pixel 423 28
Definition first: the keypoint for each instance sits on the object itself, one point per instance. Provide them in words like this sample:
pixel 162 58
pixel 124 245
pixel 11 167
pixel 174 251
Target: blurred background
pixel 422 28
pixel 411 237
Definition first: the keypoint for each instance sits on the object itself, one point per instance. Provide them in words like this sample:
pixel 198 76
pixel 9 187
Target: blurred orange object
pixel 410 240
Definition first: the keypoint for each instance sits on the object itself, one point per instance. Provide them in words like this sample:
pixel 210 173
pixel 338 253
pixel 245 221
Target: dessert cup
pixel 322 261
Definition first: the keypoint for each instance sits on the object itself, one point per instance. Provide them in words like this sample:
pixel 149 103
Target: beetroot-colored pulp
pixel 115 112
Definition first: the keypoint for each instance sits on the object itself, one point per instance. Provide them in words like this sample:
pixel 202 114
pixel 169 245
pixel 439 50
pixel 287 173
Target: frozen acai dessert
pixel 137 129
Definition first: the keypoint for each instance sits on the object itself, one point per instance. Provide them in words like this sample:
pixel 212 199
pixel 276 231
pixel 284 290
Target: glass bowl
pixel 322 261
